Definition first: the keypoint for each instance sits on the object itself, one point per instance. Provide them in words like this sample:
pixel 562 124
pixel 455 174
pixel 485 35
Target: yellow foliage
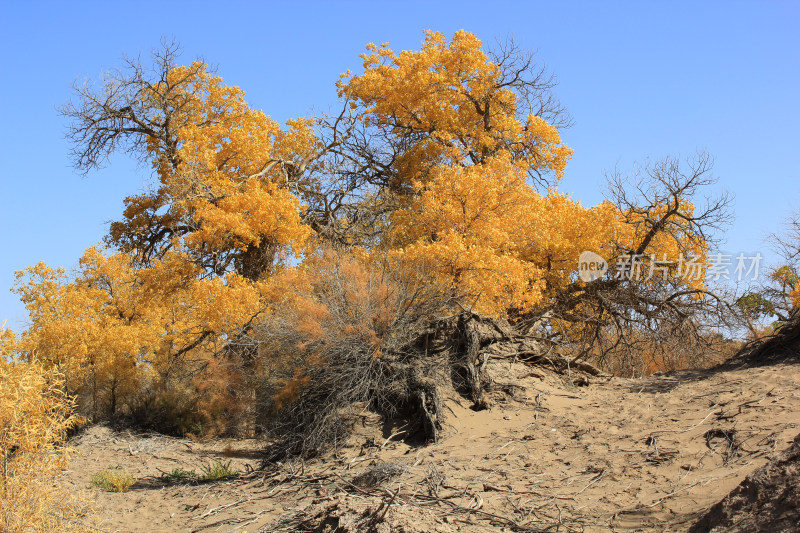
pixel 451 93
pixel 679 242
pixel 223 186
pixel 794 296
pixel 203 258
pixel 482 232
pixel 788 282
pixel 189 260
pixel 35 415
pixel 8 342
pixel 462 230
pixel 116 329
pixel 469 218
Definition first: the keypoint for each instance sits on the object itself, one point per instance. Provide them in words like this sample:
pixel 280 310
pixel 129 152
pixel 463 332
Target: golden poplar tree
pixel 442 167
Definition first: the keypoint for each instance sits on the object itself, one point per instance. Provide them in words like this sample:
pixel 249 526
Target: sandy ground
pixel 768 500
pixel 613 455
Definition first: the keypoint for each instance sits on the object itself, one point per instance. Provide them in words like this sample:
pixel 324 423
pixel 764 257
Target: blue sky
pixel 641 79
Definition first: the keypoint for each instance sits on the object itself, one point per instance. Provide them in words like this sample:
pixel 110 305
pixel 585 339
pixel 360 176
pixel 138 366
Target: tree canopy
pixel 441 172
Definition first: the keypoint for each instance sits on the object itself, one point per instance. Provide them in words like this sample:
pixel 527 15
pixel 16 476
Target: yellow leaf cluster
pixel 448 98
pixel 794 296
pixel 787 279
pixel 678 245
pixel 35 415
pixel 461 229
pixel 222 179
pixel 115 329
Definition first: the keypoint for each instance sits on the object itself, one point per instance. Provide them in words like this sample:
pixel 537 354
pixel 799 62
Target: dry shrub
pixel 340 339
pixel 35 416
pixel 759 332
pixel 167 407
pixel 211 395
pixel 198 396
pixel 225 396
pixel 641 352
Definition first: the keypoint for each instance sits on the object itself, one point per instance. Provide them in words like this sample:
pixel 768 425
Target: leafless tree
pixel 787 242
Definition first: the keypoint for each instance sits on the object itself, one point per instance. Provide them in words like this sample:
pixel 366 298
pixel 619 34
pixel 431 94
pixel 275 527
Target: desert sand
pixel 612 454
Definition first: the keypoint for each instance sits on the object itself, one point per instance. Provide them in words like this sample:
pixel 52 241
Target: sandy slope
pixel 768 500
pixel 614 455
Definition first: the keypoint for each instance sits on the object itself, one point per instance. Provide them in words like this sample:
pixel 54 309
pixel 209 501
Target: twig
pixel 389 504
pixel 711 412
pixel 660 500
pixel 390 437
pixel 596 478
pixel 220 508
pixel 255 517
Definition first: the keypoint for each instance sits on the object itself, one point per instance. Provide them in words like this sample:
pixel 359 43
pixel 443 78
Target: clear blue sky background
pixel 642 80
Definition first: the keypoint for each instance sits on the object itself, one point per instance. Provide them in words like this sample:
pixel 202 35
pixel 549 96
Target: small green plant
pixel 179 474
pixel 219 470
pixel 113 480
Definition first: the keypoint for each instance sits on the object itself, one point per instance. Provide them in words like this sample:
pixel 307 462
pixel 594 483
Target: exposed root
pixel 407 385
